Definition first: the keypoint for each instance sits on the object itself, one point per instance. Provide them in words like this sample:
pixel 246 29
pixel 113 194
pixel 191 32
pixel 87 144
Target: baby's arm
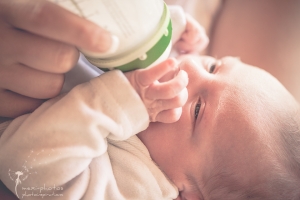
pixel 63 143
pixel 56 144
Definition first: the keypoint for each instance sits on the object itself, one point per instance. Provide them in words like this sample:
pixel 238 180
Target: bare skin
pixel 40 45
pixel 219 143
pixel 261 33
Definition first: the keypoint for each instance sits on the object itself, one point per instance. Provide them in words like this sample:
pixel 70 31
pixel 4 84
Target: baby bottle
pixel 143 28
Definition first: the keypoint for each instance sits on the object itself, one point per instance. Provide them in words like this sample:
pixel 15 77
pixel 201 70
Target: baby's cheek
pixel 192 195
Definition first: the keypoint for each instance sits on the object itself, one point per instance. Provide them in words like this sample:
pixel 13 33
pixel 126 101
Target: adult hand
pixel 162 88
pixel 39 42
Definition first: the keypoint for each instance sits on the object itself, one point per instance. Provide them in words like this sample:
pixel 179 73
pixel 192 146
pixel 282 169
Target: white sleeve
pixel 56 144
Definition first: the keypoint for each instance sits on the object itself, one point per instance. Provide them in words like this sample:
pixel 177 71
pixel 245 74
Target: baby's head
pixel 238 136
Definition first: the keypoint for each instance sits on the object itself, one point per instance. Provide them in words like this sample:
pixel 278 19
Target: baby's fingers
pixel 169 89
pixel 149 75
pixel 168 108
pixel 169 116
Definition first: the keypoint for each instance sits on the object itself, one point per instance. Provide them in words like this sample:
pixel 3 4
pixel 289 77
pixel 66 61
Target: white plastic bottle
pixel 143 27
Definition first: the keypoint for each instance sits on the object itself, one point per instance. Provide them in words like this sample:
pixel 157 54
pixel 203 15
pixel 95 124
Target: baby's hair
pixel 283 181
pixel 290 156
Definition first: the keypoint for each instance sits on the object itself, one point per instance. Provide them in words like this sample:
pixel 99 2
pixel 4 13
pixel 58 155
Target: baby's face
pixel 220 143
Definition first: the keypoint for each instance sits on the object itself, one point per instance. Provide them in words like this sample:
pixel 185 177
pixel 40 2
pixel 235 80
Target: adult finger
pixel 30 82
pixel 37 52
pixel 169 89
pixel 52 21
pixel 13 105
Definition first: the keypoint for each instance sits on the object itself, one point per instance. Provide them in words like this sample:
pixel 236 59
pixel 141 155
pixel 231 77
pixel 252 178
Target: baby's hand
pixel 162 88
pixel 193 39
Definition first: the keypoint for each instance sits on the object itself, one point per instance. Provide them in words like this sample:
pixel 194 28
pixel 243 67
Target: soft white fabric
pixel 60 150
pixel 148 180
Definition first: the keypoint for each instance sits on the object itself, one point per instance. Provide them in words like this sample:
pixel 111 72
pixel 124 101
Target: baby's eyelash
pixel 197 109
pixel 212 67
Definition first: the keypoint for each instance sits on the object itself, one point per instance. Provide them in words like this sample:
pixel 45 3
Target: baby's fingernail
pixel 177 71
pixel 114 45
pixel 175 64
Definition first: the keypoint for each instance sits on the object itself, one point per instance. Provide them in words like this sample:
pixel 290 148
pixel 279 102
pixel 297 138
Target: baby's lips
pixel 113 48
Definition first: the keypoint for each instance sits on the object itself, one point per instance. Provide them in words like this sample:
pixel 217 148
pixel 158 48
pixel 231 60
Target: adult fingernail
pixel 114 45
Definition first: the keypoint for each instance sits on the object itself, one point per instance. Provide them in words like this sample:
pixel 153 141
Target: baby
pixel 236 136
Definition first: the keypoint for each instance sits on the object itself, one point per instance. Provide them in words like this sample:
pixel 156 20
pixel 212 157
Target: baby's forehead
pixel 240 139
